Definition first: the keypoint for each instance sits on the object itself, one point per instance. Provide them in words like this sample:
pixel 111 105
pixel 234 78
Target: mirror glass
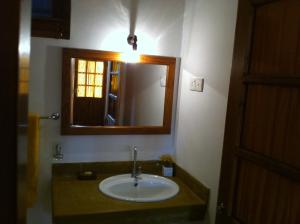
pixel 102 94
pixel 112 93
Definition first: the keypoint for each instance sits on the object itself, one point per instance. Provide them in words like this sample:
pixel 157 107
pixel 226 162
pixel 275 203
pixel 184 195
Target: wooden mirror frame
pixel 67 87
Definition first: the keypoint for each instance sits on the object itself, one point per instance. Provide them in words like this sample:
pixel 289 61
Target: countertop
pixel 81 201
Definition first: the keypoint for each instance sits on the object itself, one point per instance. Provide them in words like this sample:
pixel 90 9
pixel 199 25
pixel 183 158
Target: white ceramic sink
pixel 150 188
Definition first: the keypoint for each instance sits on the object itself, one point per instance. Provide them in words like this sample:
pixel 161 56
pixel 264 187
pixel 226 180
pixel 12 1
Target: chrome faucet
pixel 136 171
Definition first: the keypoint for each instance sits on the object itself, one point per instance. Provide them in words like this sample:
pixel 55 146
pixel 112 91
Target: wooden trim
pixel 116 56
pixel 113 130
pixel 270 164
pixel 66 123
pixel 57 26
pixel 15 23
pixel 197 187
pixel 67 93
pixel 112 167
pixel 259 3
pixel 10 16
pixel 272 80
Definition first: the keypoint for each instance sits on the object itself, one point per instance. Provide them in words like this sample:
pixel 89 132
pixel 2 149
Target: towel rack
pixel 54 116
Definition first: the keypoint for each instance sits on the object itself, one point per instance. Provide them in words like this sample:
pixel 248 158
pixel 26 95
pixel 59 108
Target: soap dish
pixel 87 175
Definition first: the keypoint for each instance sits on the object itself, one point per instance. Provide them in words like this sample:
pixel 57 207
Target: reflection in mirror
pixel 144 95
pixel 105 92
pixel 115 93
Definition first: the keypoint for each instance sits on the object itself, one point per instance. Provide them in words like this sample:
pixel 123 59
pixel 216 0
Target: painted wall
pixel 207 46
pixel 144 94
pixel 103 25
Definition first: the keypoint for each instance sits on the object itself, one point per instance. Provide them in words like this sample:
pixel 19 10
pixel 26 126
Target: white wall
pixel 103 25
pixel 145 97
pixel 207 47
pixel 207 44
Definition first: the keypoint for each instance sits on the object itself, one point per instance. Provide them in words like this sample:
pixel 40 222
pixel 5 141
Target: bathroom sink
pixel 150 188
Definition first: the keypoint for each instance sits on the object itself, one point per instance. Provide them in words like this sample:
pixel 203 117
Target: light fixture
pixel 131 56
pixel 131 40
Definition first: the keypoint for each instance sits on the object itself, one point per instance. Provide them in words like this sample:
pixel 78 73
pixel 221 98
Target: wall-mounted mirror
pixel 101 94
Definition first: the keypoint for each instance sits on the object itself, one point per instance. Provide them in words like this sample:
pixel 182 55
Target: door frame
pixel 15 23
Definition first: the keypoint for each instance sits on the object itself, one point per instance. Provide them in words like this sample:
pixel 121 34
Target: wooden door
pixel 15 49
pixel 261 156
pixel 89 110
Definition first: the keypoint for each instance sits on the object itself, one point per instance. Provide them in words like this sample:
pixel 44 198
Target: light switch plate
pixel 197 84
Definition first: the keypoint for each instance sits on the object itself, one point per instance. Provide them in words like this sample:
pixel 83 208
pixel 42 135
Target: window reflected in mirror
pixel 89 76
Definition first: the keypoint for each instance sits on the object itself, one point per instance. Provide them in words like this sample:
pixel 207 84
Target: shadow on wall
pixel 133 15
pixel 53 79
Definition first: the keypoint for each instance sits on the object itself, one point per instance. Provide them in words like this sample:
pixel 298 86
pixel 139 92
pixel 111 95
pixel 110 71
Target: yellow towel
pixel 33 158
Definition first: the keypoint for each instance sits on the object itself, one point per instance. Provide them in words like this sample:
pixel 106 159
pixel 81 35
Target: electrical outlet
pixel 196 84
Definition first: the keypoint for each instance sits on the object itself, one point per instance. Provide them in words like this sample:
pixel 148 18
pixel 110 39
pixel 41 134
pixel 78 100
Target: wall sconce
pixel 131 40
pixel 131 56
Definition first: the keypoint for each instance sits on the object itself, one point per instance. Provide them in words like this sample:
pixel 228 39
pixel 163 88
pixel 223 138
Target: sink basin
pixel 150 188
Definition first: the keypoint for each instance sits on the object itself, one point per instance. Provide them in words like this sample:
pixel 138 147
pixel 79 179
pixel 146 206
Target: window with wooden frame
pixel 89 78
pixel 51 18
